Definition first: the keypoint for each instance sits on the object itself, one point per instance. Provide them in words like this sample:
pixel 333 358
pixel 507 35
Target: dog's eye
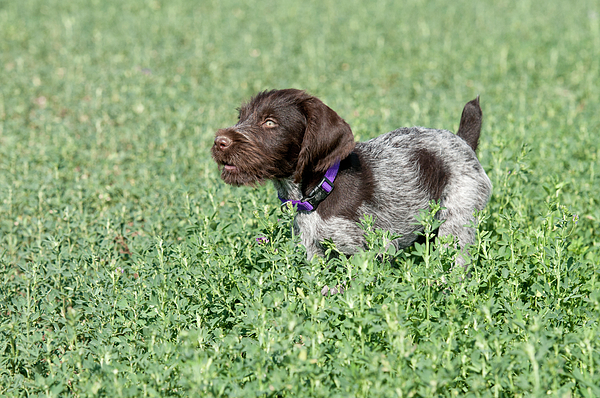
pixel 269 123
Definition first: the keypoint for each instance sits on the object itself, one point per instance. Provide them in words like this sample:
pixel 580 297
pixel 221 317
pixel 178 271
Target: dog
pixel 308 151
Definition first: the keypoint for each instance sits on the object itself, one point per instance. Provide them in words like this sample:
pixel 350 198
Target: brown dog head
pixel 281 134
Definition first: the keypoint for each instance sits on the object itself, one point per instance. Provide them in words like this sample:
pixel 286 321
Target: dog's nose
pixel 222 142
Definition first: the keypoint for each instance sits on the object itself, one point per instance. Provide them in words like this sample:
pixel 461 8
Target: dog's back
pixel 414 165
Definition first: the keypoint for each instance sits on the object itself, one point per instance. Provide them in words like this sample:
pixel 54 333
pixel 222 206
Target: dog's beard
pixel 249 164
pixel 242 169
pixel 236 176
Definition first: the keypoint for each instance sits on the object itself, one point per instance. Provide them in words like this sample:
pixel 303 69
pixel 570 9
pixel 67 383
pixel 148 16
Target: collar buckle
pixel 319 193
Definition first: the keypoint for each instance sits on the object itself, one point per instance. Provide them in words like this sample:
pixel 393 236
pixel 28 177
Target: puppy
pixel 309 152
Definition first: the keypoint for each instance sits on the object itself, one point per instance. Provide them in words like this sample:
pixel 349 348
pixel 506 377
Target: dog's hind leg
pixel 460 200
pixel 459 224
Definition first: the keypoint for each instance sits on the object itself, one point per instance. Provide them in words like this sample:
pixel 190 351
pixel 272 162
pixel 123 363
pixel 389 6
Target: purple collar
pixel 319 193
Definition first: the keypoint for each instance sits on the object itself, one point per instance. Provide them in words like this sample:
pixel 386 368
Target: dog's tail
pixel 470 123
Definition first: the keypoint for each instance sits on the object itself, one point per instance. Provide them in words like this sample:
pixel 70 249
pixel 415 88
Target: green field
pixel 129 269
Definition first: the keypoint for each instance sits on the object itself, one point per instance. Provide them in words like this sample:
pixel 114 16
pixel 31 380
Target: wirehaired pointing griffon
pixel 308 151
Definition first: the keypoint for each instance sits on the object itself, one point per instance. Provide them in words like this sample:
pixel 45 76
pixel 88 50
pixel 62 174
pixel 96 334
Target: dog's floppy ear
pixel 327 138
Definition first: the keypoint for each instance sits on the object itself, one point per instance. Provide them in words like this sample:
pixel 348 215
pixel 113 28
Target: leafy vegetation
pixel 127 268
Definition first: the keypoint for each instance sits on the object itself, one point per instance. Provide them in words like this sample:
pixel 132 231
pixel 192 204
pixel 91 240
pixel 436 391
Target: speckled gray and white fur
pixel 399 193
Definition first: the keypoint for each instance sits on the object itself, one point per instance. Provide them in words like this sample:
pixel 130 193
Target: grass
pixel 127 268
